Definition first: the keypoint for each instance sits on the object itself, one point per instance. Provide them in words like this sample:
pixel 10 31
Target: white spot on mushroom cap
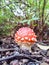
pixel 15 35
pixel 29 39
pixel 33 39
pixel 30 34
pixel 26 38
pixel 18 37
pixel 22 38
pixel 32 31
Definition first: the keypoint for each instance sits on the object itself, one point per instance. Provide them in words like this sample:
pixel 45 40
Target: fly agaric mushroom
pixel 25 36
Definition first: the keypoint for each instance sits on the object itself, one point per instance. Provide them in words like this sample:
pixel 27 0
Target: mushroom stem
pixel 25 47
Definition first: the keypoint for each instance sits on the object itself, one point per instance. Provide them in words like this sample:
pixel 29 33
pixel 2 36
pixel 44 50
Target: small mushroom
pixel 25 37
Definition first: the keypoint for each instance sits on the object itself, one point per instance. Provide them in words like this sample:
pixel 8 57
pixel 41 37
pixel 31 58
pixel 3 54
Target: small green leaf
pixel 35 18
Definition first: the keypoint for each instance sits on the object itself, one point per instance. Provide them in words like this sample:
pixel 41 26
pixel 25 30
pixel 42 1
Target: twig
pixel 43 41
pixel 39 8
pixel 18 56
pixel 3 50
pixel 46 59
pixel 44 4
pixel 47 16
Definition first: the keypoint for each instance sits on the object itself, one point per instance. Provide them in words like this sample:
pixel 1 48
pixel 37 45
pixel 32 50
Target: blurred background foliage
pixel 32 12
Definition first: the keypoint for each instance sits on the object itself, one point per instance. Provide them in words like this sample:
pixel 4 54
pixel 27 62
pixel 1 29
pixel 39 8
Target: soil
pixel 12 54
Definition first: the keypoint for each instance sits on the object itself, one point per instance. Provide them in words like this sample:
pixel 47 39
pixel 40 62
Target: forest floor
pixel 12 54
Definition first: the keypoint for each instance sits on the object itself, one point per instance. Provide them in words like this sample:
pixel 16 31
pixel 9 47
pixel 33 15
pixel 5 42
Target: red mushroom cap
pixel 25 35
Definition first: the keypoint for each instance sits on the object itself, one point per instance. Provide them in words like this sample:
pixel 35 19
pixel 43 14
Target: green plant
pixel 35 10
